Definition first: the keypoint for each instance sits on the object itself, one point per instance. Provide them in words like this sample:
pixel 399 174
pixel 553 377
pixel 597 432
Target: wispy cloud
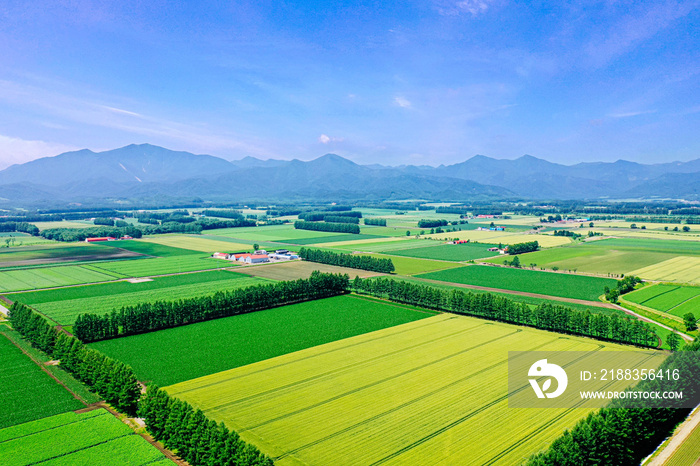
pixel 99 110
pixel 402 102
pixel 473 7
pixel 630 114
pixel 634 29
pixel 17 150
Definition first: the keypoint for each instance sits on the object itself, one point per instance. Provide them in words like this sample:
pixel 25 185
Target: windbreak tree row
pixel 485 305
pixel 111 379
pixel 354 261
pixel 375 221
pixel 521 248
pixel 196 439
pixel 147 317
pixel 327 226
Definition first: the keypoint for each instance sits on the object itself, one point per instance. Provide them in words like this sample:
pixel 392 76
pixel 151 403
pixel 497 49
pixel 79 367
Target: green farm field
pixel 151 248
pixel 609 256
pixel 160 265
pixel 196 243
pixel 54 253
pixel 387 246
pixel 426 392
pixel 174 355
pixel 681 269
pixel 272 233
pixel 450 252
pixel 65 304
pixel 47 277
pixel 94 438
pixel 329 239
pixel 412 266
pixel 28 393
pixel 673 299
pixel 547 283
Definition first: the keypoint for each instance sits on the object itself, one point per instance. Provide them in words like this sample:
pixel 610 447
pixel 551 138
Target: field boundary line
pixel 457 422
pixel 54 427
pixel 653 311
pixel 80 449
pixel 338 370
pixel 683 302
pixel 675 287
pixel 436 322
pixel 41 366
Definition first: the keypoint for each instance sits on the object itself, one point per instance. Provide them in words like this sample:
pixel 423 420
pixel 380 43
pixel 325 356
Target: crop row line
pixel 378 382
pixel 466 417
pixel 80 449
pixel 311 356
pixel 404 405
pixel 90 418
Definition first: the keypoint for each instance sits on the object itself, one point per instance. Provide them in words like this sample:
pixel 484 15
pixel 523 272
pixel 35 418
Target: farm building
pixel 493 249
pixel 240 257
pixel 221 255
pixel 95 240
pixel 288 256
pixel 256 258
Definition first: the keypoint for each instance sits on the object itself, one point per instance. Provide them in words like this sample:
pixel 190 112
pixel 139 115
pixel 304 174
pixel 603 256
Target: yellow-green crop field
pixel 424 392
pixel 195 243
pixel 505 237
pixel 681 269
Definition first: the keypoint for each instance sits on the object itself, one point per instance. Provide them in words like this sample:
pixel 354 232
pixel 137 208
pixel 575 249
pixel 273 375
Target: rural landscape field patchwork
pixel 348 377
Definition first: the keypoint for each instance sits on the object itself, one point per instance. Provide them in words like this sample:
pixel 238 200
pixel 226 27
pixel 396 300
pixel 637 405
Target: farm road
pixel 678 439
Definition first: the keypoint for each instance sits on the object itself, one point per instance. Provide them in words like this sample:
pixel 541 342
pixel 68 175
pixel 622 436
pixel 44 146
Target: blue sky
pixel 424 82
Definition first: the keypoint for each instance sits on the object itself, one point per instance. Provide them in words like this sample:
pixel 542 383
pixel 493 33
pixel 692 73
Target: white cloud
pixel 630 114
pixel 325 139
pixel 402 102
pixel 16 150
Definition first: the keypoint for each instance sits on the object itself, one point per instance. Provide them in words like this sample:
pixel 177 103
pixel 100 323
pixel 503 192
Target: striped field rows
pixel 432 391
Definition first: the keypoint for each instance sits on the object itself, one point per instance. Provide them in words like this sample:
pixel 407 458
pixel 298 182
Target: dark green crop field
pixel 553 284
pixel 450 252
pixel 178 354
pixel 151 249
pixel 28 393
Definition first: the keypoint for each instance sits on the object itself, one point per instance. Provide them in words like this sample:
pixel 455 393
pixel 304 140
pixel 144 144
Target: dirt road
pixel 676 441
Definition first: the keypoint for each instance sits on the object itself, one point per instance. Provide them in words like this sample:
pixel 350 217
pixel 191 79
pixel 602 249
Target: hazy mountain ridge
pixel 145 170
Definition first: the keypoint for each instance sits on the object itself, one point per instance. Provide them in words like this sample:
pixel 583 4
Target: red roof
pixel 106 238
pixel 258 256
pixel 245 254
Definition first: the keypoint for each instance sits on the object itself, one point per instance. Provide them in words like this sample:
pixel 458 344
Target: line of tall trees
pixel 23 227
pixel 107 221
pixel 147 317
pixel 545 316
pixel 319 216
pixel 375 221
pixel 196 439
pixel 80 234
pixel 625 433
pixel 324 226
pixel 341 219
pixel 423 223
pixel 223 213
pixel 354 261
pixel 521 248
pixel 111 379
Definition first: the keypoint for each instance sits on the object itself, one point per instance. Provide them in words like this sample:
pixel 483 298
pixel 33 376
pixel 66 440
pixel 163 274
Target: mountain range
pixel 147 171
